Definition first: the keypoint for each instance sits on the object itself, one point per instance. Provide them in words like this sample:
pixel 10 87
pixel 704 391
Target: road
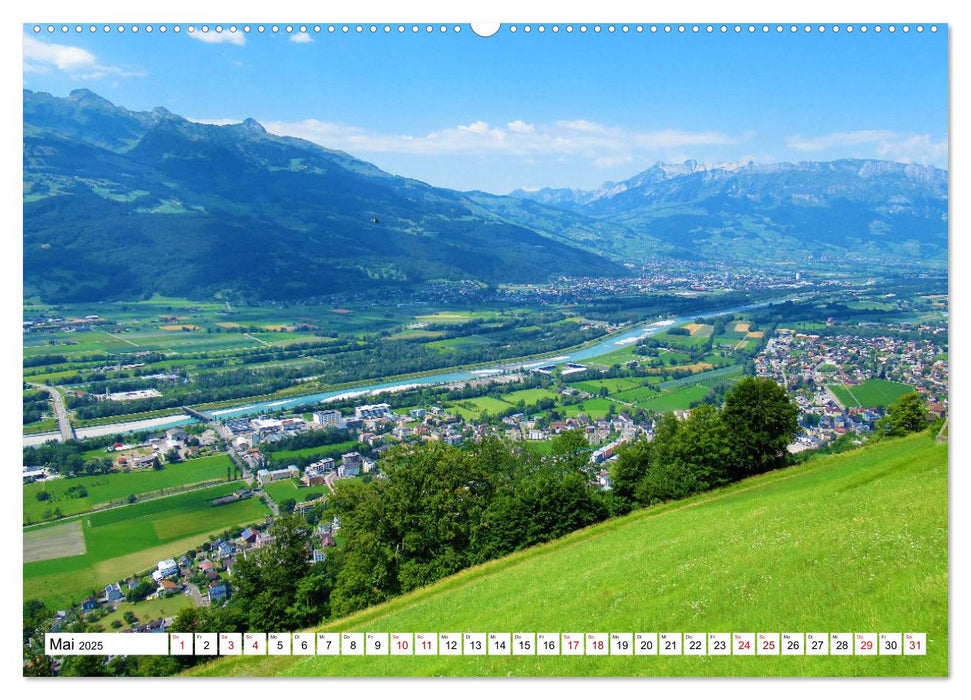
pixel 193 592
pixel 63 420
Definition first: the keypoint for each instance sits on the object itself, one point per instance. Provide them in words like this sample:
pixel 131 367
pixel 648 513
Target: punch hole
pixel 485 29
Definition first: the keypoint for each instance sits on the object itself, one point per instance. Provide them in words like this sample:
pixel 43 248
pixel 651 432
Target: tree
pixel 761 420
pixel 908 414
pixel 270 582
pixel 571 450
pixel 628 471
pixel 140 592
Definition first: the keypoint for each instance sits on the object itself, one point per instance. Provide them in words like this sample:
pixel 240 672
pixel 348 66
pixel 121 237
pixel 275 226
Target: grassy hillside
pixel 850 542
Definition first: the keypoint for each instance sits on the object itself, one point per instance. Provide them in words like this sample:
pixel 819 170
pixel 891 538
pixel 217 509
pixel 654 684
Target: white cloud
pixel 224 37
pixel 879 143
pixel 301 38
pixel 520 127
pixel 583 125
pixel 42 57
pixel 476 128
pixel 604 146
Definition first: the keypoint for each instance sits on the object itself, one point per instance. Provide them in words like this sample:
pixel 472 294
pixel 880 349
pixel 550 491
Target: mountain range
pixel 122 205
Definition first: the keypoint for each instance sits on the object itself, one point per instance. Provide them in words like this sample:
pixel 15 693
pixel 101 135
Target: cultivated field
pixel 64 540
pixel 115 487
pixel 289 488
pixel 125 540
pixel 869 394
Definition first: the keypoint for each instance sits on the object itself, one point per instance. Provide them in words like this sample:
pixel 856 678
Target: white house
pixel 166 568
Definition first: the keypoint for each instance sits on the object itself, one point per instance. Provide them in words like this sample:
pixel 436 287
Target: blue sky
pixel 532 110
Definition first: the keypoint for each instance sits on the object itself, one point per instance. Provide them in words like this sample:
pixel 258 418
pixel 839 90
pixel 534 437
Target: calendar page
pixel 536 349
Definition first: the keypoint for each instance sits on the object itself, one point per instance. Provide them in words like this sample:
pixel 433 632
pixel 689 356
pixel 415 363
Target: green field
pixel 335 451
pixel 677 399
pixel 869 394
pixel 290 488
pixel 594 408
pixel 713 376
pixel 146 610
pixel 125 540
pixel 612 385
pixel 115 487
pixel 529 396
pixel 471 409
pixel 850 542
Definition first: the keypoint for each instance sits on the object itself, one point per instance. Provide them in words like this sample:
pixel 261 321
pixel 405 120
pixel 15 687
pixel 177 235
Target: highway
pixel 63 420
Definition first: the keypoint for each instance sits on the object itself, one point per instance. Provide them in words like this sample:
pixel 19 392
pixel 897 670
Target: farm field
pixel 869 394
pixel 335 451
pixel 115 487
pixel 676 567
pixel 675 400
pixel 129 539
pixel 612 385
pixel 289 488
pixel 471 409
pixel 529 396
pixel 595 408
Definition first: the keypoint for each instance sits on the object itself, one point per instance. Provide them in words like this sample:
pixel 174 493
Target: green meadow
pixel 290 488
pixel 116 487
pixel 871 393
pixel 855 542
pixel 321 452
pixel 146 610
pixel 678 399
pixel 128 539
